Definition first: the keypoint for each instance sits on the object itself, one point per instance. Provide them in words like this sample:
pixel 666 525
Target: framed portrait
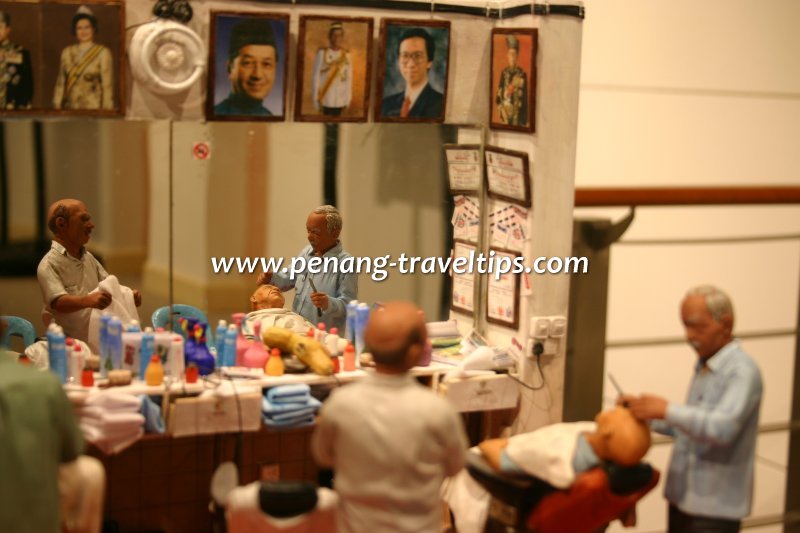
pixel 507 175
pixel 463 287
pixel 248 62
pixel 20 57
pixel 83 58
pixel 333 64
pixel 502 293
pixel 412 72
pixel 512 87
pixel 464 168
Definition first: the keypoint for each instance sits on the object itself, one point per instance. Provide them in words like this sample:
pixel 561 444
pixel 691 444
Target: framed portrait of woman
pixel 413 69
pixel 512 87
pixel 82 57
pixel 248 66
pixel 334 56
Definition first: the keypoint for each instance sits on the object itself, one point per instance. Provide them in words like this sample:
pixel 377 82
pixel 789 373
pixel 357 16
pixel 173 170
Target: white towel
pixel 122 306
pixel 110 443
pixel 115 401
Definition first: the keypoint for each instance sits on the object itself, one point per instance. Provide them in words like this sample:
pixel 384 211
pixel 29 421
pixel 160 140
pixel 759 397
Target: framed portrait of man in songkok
pixel 512 87
pixel 248 66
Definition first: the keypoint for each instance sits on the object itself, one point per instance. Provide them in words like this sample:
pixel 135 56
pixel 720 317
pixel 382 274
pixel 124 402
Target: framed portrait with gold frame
pixel 334 57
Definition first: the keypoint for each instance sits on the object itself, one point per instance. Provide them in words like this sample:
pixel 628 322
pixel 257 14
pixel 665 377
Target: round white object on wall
pixel 166 57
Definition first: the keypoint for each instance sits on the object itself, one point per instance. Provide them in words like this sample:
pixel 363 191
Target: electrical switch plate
pixel 539 327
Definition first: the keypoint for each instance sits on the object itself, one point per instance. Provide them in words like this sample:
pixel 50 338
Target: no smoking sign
pixel 201 151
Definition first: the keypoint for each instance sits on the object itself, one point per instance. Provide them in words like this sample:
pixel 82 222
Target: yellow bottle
pixel 154 373
pixel 274 366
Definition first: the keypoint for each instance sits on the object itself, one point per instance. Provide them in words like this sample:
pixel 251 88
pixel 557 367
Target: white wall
pixel 680 93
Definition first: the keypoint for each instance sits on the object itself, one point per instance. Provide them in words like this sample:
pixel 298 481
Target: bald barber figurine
pixel 69 272
pixel 390 441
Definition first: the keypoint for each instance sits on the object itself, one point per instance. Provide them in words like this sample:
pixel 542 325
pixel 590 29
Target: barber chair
pixel 160 319
pixel 18 327
pixel 597 497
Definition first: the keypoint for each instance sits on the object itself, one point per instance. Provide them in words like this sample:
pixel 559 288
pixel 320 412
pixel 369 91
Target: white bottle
pixel 332 342
pixel 176 362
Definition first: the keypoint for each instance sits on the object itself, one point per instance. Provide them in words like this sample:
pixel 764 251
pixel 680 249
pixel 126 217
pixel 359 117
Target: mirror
pixel 249 199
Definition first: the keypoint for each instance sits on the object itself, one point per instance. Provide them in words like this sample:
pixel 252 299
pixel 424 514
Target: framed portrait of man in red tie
pixel 412 74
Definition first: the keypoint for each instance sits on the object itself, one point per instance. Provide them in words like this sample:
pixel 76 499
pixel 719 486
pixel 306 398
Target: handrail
pixel 662 196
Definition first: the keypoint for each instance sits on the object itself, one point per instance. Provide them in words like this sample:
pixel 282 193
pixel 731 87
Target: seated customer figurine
pixel 559 452
pixel 266 306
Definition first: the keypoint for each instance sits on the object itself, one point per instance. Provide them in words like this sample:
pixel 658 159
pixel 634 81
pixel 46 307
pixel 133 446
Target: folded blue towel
pixel 299 393
pixel 153 421
pixel 307 420
pixel 299 413
pixel 273 408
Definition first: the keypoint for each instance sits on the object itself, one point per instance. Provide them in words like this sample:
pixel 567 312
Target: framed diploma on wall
pixel 463 290
pixel 464 168
pixel 502 291
pixel 507 175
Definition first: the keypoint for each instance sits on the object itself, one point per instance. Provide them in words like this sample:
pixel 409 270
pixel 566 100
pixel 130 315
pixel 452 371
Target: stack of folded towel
pixel 289 406
pixel 112 422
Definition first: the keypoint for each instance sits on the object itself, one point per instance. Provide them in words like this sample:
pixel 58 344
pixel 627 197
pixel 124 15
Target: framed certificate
pixel 464 168
pixel 507 175
pixel 463 295
pixel 502 294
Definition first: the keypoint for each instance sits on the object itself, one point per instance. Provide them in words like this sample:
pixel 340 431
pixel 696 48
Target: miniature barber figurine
pixel 69 272
pixel 322 294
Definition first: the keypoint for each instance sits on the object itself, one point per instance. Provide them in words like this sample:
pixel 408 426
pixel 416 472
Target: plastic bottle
pixel 69 342
pixel 57 353
pixel 349 358
pixel 332 342
pixel 77 360
pixel 176 361
pixel 256 355
pixel 275 366
pixel 320 333
pixel 222 327
pixel 229 349
pixel 154 375
pixel 242 344
pixel 114 339
pixel 362 315
pixel 350 329
pixel 133 327
pixel 147 349
pixel 105 317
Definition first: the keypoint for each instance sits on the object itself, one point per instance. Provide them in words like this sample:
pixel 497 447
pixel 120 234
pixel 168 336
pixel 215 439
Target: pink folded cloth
pixel 115 401
pixel 111 442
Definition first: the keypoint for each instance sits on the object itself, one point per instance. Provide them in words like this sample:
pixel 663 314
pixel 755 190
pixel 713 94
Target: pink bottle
pixel 256 355
pixel 242 344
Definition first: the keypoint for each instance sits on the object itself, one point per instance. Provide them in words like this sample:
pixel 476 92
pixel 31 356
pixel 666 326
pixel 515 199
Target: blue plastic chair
pixel 160 319
pixel 18 327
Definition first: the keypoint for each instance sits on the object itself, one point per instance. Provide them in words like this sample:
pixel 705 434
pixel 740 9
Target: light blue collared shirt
pixel 339 286
pixel 711 468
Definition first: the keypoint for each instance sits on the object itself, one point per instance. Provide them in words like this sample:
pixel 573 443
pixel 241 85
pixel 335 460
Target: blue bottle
pixel 362 315
pixel 229 348
pixel 57 353
pixel 133 327
pixel 147 349
pixel 222 327
pixel 350 325
pixel 104 318
pixel 114 341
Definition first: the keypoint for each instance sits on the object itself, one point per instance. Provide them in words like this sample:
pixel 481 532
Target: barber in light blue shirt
pixel 710 482
pixel 322 289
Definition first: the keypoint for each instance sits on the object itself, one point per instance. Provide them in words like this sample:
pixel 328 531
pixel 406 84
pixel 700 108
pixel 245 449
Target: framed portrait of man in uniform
pixel 20 56
pixel 512 87
pixel 334 56
pixel 248 66
pixel 413 69
pixel 83 50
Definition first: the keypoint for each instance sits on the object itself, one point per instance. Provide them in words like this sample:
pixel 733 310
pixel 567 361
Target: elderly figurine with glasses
pixel 322 280
pixel 414 59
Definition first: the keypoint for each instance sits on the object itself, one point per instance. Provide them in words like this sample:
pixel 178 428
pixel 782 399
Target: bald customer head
pixel 396 336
